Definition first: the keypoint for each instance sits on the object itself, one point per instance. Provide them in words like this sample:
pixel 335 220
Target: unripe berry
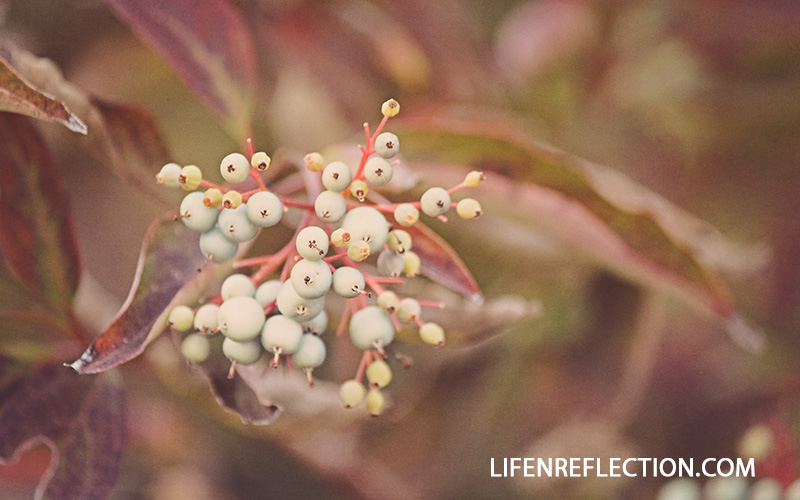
pixel 435 201
pixel 379 374
pixel 311 279
pixel 367 224
pixel 369 327
pixel 317 324
pixel 240 318
pixel 244 353
pixel 378 171
pixel 468 208
pixel 314 162
pixel 195 348
pixel 351 393
pixel 216 247
pixel 232 199
pixel 206 319
pixel 180 318
pixel 399 241
pixel 388 301
pixel 168 175
pixel 267 292
pixel 387 145
pixel 390 264
pixel 474 179
pixel 412 263
pixel 212 198
pixel 293 306
pixel 348 282
pixel 375 402
pixel 336 176
pixel 311 352
pixel 312 243
pixel 190 177
pixel 408 310
pixel 260 161
pixel 264 209
pixel 196 215
pixel 358 250
pixel 236 226
pixel 390 108
pixel 234 168
pixel 432 333
pixel 237 285
pixel 330 206
pixel 340 238
pixel 281 333
pixel 359 190
pixel 406 214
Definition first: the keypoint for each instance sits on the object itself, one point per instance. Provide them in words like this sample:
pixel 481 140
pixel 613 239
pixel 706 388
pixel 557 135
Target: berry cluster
pixel 285 316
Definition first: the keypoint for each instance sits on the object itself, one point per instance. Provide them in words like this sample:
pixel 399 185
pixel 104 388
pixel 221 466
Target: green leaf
pixel 18 96
pixel 210 48
pixel 36 234
pixel 80 418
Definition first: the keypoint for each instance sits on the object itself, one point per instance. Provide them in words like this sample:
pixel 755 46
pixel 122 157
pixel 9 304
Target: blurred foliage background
pixel 698 101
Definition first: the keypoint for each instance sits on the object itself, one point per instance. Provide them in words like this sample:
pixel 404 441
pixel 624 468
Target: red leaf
pixel 209 46
pixel 80 418
pixel 18 96
pixel 36 234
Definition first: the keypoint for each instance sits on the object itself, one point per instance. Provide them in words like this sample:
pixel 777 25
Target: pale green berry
pixel 212 198
pixel 371 327
pixel 352 392
pixel 474 179
pixel 359 190
pixel 314 161
pixel 244 353
pixel 375 402
pixel 367 224
pixel 281 335
pixel 387 145
pixel 264 209
pixel 236 226
pixel 190 177
pixel 766 489
pixel 468 208
pixel 388 301
pixel 399 241
pixel 293 306
pixel 406 214
pixel 432 333
pixel 241 318
pixel 235 168
pixel 267 292
pixel 435 201
pixel 412 263
pixel 311 352
pixel 390 108
pixel 206 319
pixel 337 176
pixel 312 243
pixel 340 238
pixel 196 215
pixel 379 374
pixel 237 285
pixel 378 171
pixel 232 199
pixel 216 247
pixel 317 324
pixel 195 348
pixel 168 175
pixel 408 310
pixel 358 250
pixel 348 282
pixel 311 279
pixel 330 206
pixel 180 318
pixel 260 161
pixel 679 489
pixel 390 264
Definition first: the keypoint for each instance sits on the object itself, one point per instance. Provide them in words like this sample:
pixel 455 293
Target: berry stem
pixel 366 359
pixel 335 257
pixel 209 185
pixel 345 318
pixel 269 265
pixel 456 188
pixel 291 202
pixel 431 303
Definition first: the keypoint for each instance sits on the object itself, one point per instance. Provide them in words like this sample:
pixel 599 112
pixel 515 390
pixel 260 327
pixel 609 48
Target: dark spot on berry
pixel 440 204
pixel 335 175
pixel 231 168
pixel 379 172
pixel 264 213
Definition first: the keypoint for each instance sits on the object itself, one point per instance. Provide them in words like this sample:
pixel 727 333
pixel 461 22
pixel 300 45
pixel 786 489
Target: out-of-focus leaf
pixel 80 418
pixel 36 235
pixel 209 46
pixel 168 264
pixel 588 207
pixel 17 96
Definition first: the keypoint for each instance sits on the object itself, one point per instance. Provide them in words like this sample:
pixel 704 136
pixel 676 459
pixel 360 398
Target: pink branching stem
pixel 456 188
pixel 270 307
pixel 268 263
pixel 345 318
pixel 366 359
pixel 419 322
pixel 209 185
pixel 335 257
pixel 386 281
pixel 291 202
pixel 431 303
pixel 362 301
pixel 250 146
pixel 232 370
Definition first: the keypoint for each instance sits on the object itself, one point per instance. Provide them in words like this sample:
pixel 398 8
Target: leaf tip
pixel 76 125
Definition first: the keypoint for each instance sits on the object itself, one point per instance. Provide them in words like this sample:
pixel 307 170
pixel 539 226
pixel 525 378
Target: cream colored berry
pixel 390 108
pixel 168 175
pixel 375 402
pixel 379 374
pixel 212 198
pixel 340 238
pixel 358 250
pixel 432 333
pixel 190 177
pixel 468 208
pixel 260 161
pixel 474 178
pixel 232 199
pixel 412 263
pixel 359 190
pixel 314 162
pixel 181 318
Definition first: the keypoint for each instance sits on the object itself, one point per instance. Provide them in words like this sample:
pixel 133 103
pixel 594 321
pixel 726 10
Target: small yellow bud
pixel 168 175
pixel 340 238
pixel 232 199
pixel 359 190
pixel 212 198
pixel 260 161
pixel 474 179
pixel 375 402
pixel 190 177
pixel 468 208
pixel 358 250
pixel 432 334
pixel 390 108
pixel 314 162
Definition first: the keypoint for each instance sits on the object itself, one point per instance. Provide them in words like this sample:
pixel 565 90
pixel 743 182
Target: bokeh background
pixel 697 101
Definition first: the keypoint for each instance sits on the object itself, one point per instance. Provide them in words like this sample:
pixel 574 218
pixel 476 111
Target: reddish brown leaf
pixel 18 96
pixel 36 234
pixel 80 418
pixel 209 46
